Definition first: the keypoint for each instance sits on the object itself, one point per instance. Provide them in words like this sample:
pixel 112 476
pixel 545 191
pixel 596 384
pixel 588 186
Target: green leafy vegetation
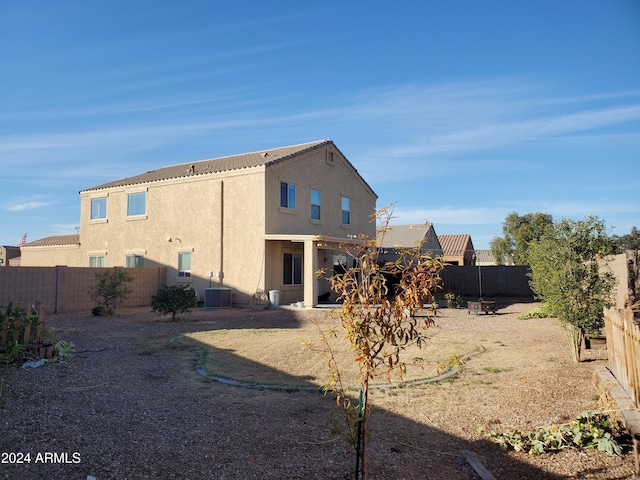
pixel 18 328
pixel 174 299
pixel 541 311
pixel 630 241
pixel 64 350
pixel 22 337
pixel 567 274
pixel 590 430
pixel 519 232
pixel 109 287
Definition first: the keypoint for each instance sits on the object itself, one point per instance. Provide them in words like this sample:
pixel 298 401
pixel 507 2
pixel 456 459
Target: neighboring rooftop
pixel 485 257
pixel 56 241
pixel 455 244
pixel 215 165
pixel 404 236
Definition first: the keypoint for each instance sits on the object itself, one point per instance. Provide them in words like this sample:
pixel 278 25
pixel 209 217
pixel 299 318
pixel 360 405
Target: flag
pixel 22 241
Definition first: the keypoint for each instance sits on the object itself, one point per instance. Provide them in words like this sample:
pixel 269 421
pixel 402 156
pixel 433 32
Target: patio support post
pixel 310 269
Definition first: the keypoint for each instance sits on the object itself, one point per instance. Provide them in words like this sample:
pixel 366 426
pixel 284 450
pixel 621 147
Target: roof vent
pixel 192 168
pixel 265 154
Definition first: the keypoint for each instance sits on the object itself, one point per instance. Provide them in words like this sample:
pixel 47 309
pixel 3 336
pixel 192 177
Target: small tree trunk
pixel 576 336
pixel 362 453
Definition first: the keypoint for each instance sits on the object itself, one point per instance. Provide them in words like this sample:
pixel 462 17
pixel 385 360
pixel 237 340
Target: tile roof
pixel 485 256
pixel 215 165
pixel 404 236
pixel 455 244
pixel 55 241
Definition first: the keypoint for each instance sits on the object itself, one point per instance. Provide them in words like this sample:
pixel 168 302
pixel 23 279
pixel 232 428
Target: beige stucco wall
pixel 219 219
pixel 67 255
pixel 8 253
pixel 224 220
pixel 334 180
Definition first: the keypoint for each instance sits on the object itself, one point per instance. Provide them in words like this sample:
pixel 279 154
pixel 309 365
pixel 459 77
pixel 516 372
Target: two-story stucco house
pixel 265 220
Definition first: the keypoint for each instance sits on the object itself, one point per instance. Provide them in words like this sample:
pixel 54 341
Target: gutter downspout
pixel 221 236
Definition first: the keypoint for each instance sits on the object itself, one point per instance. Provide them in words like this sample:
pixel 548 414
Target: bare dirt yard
pixel 133 402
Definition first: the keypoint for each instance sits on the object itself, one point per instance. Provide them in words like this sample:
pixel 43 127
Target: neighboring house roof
pixel 485 257
pixel 455 245
pixel 403 236
pixel 221 164
pixel 55 241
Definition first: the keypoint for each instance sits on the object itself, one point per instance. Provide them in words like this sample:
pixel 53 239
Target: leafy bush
pixel 569 273
pixel 590 430
pixel 64 350
pixel 99 311
pixel 174 299
pixel 109 287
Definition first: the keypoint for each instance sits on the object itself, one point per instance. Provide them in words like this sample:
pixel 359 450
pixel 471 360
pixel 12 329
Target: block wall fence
pixel 66 289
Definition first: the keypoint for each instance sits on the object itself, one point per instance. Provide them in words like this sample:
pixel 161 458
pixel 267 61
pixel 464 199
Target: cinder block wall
pixel 66 289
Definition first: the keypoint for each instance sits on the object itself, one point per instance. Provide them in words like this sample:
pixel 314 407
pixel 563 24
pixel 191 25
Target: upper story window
pixel 98 208
pixel 288 195
pixel 135 261
pixel 315 204
pixel 97 261
pixel 346 211
pixel 184 264
pixel 136 204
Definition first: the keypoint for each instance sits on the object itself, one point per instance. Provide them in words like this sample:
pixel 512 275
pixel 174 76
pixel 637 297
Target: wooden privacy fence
pixel 622 327
pixel 623 343
pixel 622 324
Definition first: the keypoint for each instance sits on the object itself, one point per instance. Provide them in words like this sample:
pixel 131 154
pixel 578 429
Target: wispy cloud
pixel 27 205
pixel 461 124
pixel 449 215
pixel 413 127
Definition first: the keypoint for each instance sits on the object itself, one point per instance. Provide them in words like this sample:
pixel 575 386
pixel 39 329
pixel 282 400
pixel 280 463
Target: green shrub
pixel 541 311
pixel 109 287
pixel 173 299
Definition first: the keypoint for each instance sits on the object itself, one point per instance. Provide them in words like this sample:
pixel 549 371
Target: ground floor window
pixel 135 261
pixel 184 264
pixel 97 261
pixel 292 273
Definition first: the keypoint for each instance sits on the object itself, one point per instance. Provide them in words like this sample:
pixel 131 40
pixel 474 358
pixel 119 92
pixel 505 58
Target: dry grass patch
pixel 282 357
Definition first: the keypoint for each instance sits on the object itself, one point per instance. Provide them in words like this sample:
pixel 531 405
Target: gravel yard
pixel 131 405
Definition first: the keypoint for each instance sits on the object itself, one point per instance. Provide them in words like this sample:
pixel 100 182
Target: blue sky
pixel 458 112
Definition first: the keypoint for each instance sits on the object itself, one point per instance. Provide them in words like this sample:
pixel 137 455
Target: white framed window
pixel 134 261
pixel 97 261
pixel 98 208
pixel 184 264
pixel 346 211
pixel 136 204
pixel 292 271
pixel 316 197
pixel 288 195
